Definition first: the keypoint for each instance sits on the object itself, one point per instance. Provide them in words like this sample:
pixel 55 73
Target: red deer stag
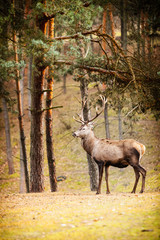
pixel 106 152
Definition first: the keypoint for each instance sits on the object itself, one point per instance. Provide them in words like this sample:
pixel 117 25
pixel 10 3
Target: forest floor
pixel 74 212
pixel 80 216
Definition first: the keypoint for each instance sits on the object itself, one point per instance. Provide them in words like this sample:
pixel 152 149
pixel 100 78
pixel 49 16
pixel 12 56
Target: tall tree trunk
pixel 36 150
pixel 22 168
pixel 143 34
pixel 138 33
pixel 111 24
pixel 8 137
pixel 104 22
pixel 92 167
pixel 64 83
pixel 21 128
pixel 124 24
pixel 106 118
pixel 120 123
pixel 29 82
pixel 111 20
pixel 49 138
pixel 148 39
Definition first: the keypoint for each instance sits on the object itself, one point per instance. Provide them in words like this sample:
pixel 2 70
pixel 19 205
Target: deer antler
pixel 104 101
pixel 77 120
pixel 80 120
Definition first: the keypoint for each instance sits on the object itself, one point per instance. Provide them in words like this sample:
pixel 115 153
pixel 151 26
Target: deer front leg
pixel 106 177
pixel 100 167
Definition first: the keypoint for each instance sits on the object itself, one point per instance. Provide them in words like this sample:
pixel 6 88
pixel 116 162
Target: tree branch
pixel 130 111
pixel 95 69
pixel 78 35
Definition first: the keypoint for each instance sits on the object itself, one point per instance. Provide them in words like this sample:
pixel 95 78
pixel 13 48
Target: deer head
pixel 87 126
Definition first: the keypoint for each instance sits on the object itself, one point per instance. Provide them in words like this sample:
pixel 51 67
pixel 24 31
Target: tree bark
pixel 112 24
pixel 143 34
pixel 36 150
pixel 106 121
pixel 29 82
pixel 64 84
pixel 21 128
pixel 92 167
pixel 49 125
pixel 104 22
pixel 120 123
pixel 8 138
pixel 22 167
pixel 37 153
pixel 138 33
pixel 124 24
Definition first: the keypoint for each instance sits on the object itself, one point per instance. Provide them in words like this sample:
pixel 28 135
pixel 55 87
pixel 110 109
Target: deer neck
pixel 88 142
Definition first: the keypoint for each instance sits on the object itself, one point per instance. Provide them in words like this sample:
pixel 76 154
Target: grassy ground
pixel 74 212
pixel 80 216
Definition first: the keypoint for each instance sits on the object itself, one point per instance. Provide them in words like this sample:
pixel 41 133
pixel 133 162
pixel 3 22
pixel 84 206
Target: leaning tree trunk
pixel 20 117
pixel 8 137
pixel 93 171
pixel 49 125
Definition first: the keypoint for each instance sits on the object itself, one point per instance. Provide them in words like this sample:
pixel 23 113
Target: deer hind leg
pixel 143 172
pixel 137 175
pixel 106 177
pixel 100 167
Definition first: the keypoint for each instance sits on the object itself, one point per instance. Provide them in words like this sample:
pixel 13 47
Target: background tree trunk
pixel 111 24
pixel 8 137
pixel 29 82
pixel 92 166
pixel 106 118
pixel 22 167
pixel 120 123
pixel 143 34
pixel 37 153
pixel 49 126
pixel 104 22
pixel 138 33
pixel 124 24
pixel 20 117
pixel 64 83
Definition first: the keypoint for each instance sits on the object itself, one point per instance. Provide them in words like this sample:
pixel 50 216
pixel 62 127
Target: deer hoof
pixel 141 191
pixel 107 192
